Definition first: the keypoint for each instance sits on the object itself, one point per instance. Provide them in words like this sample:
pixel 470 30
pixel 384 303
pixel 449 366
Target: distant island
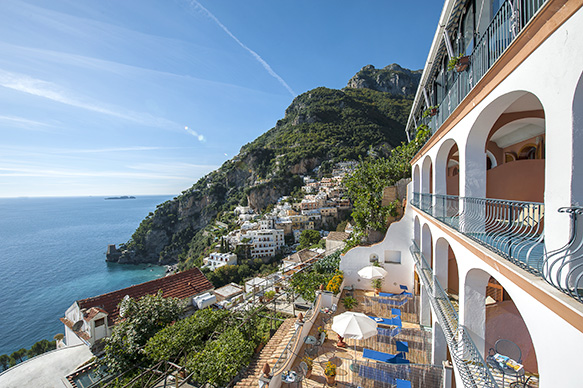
pixel 122 197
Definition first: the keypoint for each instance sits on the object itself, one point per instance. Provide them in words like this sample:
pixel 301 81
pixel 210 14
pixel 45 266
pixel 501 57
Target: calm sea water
pixel 52 253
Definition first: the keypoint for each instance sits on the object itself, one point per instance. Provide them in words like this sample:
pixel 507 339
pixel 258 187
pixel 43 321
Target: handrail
pixel 505 26
pixel 472 368
pixel 512 229
pixel 563 267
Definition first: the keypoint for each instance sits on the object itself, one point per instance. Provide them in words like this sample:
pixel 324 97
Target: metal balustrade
pixel 512 229
pixel 563 267
pixel 472 368
pixel 506 25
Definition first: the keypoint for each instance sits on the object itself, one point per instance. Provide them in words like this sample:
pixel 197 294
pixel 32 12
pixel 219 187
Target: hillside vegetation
pixel 320 127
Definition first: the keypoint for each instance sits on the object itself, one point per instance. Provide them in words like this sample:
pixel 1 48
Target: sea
pixel 52 253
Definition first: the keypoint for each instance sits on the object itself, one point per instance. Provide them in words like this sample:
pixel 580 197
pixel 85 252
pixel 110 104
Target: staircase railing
pixel 472 368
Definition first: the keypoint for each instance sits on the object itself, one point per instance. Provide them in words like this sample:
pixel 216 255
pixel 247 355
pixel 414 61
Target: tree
pixel 4 361
pixel 365 185
pixel 19 355
pixel 308 238
pixel 40 347
pixel 142 320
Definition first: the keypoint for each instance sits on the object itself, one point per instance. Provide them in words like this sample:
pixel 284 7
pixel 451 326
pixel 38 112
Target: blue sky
pixel 132 97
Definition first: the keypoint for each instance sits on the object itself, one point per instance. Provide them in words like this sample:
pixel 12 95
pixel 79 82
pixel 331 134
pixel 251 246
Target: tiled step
pixel 270 353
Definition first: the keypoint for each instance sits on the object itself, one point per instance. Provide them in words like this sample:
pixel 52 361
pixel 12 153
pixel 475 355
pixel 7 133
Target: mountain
pixel 320 127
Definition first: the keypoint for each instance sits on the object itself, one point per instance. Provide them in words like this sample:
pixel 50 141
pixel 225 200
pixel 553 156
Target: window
pixel 100 322
pixel 393 257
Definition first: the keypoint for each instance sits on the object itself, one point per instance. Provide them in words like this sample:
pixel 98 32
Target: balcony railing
pixel 508 22
pixel 514 230
pixel 563 268
pixel 473 371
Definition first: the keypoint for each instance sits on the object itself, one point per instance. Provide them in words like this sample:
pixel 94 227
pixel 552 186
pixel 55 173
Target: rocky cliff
pixel 319 127
pixel 392 79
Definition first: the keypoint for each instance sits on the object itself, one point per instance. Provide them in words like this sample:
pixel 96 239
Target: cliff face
pixel 321 125
pixel 391 79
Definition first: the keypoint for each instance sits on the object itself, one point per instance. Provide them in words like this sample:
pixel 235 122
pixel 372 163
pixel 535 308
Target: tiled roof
pixel 92 312
pixel 79 333
pixel 181 285
pixel 302 256
pixel 337 236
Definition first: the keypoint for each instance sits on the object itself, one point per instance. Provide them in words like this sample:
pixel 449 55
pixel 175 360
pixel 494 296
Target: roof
pixel 81 334
pixel 229 290
pixel 181 285
pixel 92 312
pixel 301 256
pixel 337 236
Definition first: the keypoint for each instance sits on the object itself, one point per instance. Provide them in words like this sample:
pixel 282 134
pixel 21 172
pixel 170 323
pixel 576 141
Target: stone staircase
pixel 270 353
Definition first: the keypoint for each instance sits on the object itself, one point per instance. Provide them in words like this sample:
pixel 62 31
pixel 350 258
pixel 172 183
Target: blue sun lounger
pixel 383 357
pixel 403 383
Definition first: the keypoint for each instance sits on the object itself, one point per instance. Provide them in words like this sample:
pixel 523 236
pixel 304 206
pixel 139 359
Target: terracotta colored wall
pixel 521 180
pixel 453 279
pixel 453 185
pixel 503 321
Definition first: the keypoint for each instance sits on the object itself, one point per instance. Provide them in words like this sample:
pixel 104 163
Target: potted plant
pixel 430 111
pixel 459 63
pixel 269 295
pixel 310 364
pixel 349 302
pixel 377 284
pixel 330 372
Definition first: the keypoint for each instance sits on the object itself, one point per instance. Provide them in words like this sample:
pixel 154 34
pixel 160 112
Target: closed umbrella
pixel 372 272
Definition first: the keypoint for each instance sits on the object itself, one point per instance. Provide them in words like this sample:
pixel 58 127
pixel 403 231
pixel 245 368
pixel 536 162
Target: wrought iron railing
pixel 508 22
pixel 472 368
pixel 512 229
pixel 563 267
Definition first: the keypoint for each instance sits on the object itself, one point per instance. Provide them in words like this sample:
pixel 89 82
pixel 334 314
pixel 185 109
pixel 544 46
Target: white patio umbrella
pixel 372 272
pixel 354 325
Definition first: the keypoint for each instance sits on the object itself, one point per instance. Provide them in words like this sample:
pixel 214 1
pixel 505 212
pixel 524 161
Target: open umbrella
pixel 354 325
pixel 372 272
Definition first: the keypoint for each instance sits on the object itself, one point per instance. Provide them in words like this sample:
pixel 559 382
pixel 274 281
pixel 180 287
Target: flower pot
pixel 331 380
pixel 433 112
pixel 462 64
pixel 308 373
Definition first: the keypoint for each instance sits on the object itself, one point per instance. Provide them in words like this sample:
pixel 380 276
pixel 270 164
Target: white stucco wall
pixel 552 73
pixel 397 239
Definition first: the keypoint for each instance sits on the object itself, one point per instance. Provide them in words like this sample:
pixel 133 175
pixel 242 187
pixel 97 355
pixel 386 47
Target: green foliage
pixel 430 111
pixel 349 302
pixel 365 185
pixel 377 283
pixel 308 238
pixel 4 361
pixel 41 347
pixel 453 61
pixel 142 320
pixel 185 336
pixel 306 283
pixel 393 208
pixel 328 264
pixel 221 360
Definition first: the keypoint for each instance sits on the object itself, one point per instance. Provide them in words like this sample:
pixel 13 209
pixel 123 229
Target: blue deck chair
pixel 402 346
pixel 379 356
pixel 403 383
pixel 396 311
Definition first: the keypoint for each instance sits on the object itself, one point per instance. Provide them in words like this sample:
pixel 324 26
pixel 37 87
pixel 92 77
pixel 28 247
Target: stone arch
pixel 447 168
pixel 427 244
pixel 446 268
pixel 417 231
pixel 577 171
pixel 416 179
pixel 489 320
pixel 504 124
pixel 427 175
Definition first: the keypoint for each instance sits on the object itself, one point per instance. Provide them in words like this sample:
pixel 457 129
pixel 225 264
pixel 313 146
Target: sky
pixel 144 97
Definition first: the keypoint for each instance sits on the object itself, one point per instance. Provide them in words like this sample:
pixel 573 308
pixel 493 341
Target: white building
pixel 492 213
pixel 265 242
pixel 216 260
